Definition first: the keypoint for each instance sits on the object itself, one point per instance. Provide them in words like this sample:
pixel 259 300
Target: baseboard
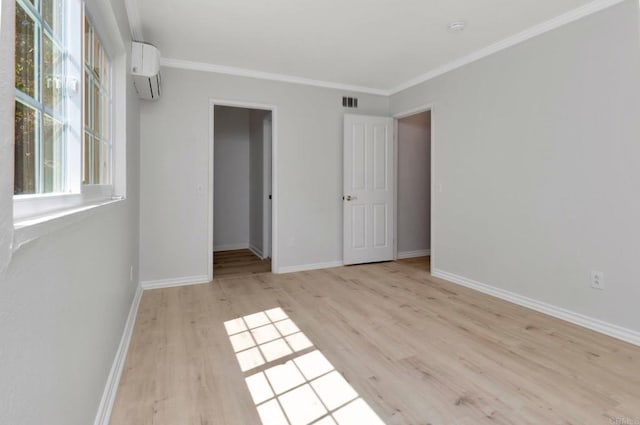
pixel 231 247
pixel 109 395
pixel 170 283
pixel 615 331
pixel 414 254
pixel 307 267
pixel 256 251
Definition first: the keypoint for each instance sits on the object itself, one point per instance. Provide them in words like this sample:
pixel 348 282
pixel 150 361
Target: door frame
pixel 274 176
pixel 396 117
pixel 267 178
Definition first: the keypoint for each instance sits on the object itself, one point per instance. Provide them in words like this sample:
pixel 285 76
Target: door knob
pixel 349 198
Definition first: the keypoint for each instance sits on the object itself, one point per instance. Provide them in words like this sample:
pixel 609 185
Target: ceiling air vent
pixel 350 102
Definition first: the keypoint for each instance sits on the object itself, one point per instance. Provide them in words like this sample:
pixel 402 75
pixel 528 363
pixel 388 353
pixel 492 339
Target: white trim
pixel 396 187
pixel 170 283
pixel 414 111
pixel 109 395
pixel 414 254
pixel 210 193
pixel 243 72
pixel 597 325
pixel 274 253
pixel 257 252
pixel 267 162
pixel 28 230
pixel 307 267
pixel 231 247
pixel 274 176
pixel 135 21
pixel 564 19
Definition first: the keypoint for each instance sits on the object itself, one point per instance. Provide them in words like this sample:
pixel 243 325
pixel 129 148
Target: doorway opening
pixel 241 212
pixel 414 186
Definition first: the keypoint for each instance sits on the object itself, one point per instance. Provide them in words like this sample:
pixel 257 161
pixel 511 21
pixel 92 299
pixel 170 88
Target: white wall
pixel 174 177
pixel 257 177
pixel 231 182
pixel 65 298
pixel 414 183
pixel 536 149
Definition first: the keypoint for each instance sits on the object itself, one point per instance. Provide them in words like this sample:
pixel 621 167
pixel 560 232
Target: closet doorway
pixel 413 194
pixel 241 216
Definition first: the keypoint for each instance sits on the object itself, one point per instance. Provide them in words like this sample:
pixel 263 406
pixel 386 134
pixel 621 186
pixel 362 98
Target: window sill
pixel 29 229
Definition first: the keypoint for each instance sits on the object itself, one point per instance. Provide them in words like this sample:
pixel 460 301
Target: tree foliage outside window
pixel 40 138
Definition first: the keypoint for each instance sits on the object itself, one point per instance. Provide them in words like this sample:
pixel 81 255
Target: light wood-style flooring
pixel 417 350
pixel 237 263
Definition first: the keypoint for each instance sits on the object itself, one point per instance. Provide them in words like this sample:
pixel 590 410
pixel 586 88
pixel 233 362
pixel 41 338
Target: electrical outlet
pixel 597 280
pixel 131 274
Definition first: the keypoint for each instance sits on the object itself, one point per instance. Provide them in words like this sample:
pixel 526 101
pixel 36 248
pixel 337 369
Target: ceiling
pixel 379 44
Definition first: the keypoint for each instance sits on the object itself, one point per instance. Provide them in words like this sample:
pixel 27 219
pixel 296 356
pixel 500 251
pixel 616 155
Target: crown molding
pixel 135 21
pixel 243 72
pixel 564 19
pixel 559 21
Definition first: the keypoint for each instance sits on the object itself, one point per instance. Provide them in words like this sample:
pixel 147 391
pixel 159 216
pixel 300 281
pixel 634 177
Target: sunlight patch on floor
pixel 303 390
pixel 264 337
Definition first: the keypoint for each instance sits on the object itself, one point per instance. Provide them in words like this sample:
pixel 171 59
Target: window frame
pixel 106 89
pixel 28 207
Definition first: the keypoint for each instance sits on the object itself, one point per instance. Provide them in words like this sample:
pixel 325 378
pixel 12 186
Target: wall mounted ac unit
pixel 145 69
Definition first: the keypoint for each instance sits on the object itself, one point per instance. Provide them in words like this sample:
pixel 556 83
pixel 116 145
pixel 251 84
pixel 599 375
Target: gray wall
pixel 65 299
pixel 175 139
pixel 414 183
pixel 231 182
pixel 536 149
pixel 7 93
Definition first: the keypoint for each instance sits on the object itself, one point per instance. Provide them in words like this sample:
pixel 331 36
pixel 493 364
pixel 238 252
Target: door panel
pixel 380 160
pixel 368 189
pixel 359 231
pixel 359 158
pixel 379 225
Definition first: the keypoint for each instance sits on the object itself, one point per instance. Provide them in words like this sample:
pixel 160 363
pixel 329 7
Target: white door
pixel 368 189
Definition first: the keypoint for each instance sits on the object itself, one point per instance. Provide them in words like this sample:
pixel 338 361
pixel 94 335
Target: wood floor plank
pixel 417 349
pixel 237 263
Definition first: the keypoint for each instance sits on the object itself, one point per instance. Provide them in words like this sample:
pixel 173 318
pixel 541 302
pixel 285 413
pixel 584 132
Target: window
pixel 64 106
pixel 40 113
pixel 96 146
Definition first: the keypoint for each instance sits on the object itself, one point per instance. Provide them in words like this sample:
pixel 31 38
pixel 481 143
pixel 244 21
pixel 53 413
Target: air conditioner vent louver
pixel 350 102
